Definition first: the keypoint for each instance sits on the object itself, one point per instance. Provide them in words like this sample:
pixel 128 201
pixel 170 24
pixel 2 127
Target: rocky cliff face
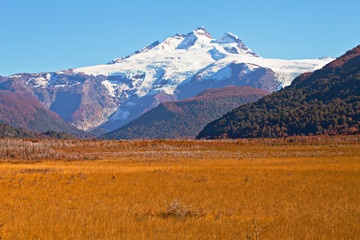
pixel 111 95
pixel 79 99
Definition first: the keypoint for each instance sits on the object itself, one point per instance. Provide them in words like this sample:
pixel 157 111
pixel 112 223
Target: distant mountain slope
pixel 24 111
pixel 113 94
pixel 325 101
pixel 184 119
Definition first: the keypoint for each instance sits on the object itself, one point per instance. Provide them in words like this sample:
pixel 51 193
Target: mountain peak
pixel 202 31
pixel 191 38
pixel 233 44
pixel 144 49
pixel 229 38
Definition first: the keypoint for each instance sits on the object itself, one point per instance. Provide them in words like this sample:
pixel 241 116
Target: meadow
pixel 284 188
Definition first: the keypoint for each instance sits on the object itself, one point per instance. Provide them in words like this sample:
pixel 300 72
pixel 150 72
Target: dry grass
pixel 297 188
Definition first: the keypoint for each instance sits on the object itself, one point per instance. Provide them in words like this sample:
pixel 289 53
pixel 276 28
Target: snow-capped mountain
pixel 180 57
pixel 112 94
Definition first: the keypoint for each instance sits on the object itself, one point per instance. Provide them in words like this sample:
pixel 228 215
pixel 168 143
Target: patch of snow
pixel 114 88
pixel 202 31
pixel 130 104
pixel 227 38
pixel 15 76
pixel 232 44
pixel 76 83
pixel 252 67
pixel 167 89
pixel 217 72
pixel 38 82
pixel 120 114
pixel 248 68
pixel 47 76
pixel 286 70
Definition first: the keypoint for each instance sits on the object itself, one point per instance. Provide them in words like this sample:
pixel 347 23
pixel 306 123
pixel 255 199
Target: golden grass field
pixel 297 188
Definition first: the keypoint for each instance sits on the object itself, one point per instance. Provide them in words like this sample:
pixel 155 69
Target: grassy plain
pixel 296 188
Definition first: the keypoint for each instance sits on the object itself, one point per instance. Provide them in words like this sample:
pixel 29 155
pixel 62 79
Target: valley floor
pixel 296 188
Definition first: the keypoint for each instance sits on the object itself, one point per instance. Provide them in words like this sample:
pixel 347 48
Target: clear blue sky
pixel 51 35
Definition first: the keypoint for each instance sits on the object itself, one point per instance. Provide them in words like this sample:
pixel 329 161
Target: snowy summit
pixel 181 56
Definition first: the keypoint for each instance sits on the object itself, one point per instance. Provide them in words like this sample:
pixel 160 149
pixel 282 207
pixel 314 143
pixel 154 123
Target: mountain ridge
pixel 111 95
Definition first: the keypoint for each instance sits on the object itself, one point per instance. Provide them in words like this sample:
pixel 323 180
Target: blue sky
pixel 51 35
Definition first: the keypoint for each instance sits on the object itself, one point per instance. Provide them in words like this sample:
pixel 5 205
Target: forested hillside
pixel 326 101
pixel 184 119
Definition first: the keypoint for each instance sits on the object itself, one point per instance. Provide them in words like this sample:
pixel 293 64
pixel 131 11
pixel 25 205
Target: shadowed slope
pixel 24 111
